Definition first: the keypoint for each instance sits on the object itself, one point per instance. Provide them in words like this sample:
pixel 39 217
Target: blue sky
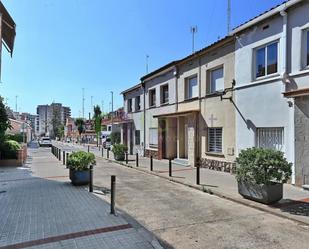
pixel 63 46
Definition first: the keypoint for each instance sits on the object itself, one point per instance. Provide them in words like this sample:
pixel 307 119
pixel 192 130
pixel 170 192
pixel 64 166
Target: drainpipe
pixel 198 152
pixel 176 83
pixel 144 105
pixel 285 80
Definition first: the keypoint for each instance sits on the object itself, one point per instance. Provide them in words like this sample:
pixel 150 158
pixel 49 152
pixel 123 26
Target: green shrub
pixel 115 137
pixel 9 149
pixel 119 149
pixel 17 137
pixel 262 166
pixel 81 160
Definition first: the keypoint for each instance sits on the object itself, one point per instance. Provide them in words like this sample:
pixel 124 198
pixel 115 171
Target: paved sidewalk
pixel 294 205
pixel 41 209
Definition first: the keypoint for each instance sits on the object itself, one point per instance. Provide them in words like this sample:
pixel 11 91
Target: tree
pixel 4 121
pixel 56 121
pixel 97 121
pixel 80 123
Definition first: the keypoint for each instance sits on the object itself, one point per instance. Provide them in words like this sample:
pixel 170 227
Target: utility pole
pixel 228 16
pixel 102 106
pixel 112 110
pixel 16 103
pixel 193 31
pixel 83 106
pixel 147 57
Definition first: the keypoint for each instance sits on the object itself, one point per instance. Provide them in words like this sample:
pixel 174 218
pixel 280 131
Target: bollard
pixel 198 172
pixel 91 179
pixel 59 155
pixel 170 167
pixel 63 157
pixel 107 154
pixel 51 149
pixel 102 152
pixel 136 159
pixel 67 157
pixel 151 164
pixel 126 157
pixel 88 148
pixel 113 189
pixel 56 152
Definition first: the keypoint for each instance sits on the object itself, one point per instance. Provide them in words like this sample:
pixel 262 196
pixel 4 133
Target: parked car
pixel 45 142
pixel 107 143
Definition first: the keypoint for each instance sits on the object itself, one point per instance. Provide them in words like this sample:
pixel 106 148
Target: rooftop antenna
pixel 102 106
pixel 193 30
pixel 228 16
pixel 83 106
pixel 147 57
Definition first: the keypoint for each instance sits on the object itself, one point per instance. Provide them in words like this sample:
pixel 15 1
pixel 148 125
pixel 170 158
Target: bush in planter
pixel 79 163
pixel 261 173
pixel 119 151
pixel 9 149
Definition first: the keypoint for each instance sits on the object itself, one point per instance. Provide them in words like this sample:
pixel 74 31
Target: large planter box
pixel 79 177
pixel 119 157
pixel 266 194
pixel 21 158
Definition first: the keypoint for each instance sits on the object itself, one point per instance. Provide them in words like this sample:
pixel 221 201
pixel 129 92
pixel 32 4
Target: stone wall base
pixel 152 153
pixel 218 165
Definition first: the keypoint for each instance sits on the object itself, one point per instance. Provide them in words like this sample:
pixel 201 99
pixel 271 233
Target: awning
pixel 175 114
pixel 297 93
pixel 8 29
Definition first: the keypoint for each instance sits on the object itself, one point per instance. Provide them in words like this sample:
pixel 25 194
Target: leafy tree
pixel 80 123
pixel 97 121
pixel 56 121
pixel 4 121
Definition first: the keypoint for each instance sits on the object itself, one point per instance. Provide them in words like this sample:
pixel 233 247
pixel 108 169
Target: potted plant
pixel 260 174
pixel 119 151
pixel 79 163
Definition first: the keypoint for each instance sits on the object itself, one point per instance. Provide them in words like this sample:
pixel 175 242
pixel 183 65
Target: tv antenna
pixel 228 16
pixel 193 30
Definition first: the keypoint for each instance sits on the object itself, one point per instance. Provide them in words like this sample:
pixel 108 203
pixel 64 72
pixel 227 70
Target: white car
pixel 45 142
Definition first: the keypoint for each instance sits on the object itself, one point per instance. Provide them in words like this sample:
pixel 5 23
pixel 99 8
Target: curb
pixel 245 202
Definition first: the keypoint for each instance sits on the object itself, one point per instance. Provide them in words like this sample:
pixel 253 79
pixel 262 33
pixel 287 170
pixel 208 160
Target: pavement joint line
pixel 31 178
pixel 244 202
pixel 66 237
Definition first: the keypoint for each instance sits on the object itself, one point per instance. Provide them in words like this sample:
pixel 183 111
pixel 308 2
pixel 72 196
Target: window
pixel 215 140
pixel 153 137
pixel 216 80
pixel 137 137
pixel 152 97
pixel 266 60
pixel 129 105
pixel 307 48
pixel 137 103
pixel 164 94
pixel 270 138
pixel 191 87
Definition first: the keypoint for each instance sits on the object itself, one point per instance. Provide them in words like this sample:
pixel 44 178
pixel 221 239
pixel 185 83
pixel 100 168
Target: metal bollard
pixel 102 152
pixel 136 159
pixel 56 152
pixel 107 154
pixel 126 157
pixel 63 157
pixel 91 179
pixel 170 167
pixel 51 149
pixel 66 162
pixel 88 148
pixel 151 163
pixel 198 173
pixel 59 155
pixel 113 189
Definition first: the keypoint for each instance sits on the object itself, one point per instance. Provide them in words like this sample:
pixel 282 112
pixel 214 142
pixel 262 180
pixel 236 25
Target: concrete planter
pixel 79 177
pixel 21 158
pixel 262 193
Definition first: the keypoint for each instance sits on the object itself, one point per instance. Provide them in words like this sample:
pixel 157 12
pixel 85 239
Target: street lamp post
pixel 112 111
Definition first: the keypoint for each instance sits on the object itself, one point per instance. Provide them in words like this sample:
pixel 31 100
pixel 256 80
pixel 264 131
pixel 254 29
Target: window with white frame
pixel 270 138
pixel 137 103
pixel 215 140
pixel 129 105
pixel 266 60
pixel 153 137
pixel 152 97
pixel 191 87
pixel 216 80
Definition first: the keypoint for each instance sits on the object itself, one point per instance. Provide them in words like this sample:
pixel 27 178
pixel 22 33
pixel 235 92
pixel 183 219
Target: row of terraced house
pixel 249 89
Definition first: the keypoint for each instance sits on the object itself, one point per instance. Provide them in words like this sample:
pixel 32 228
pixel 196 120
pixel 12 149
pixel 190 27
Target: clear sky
pixel 63 46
